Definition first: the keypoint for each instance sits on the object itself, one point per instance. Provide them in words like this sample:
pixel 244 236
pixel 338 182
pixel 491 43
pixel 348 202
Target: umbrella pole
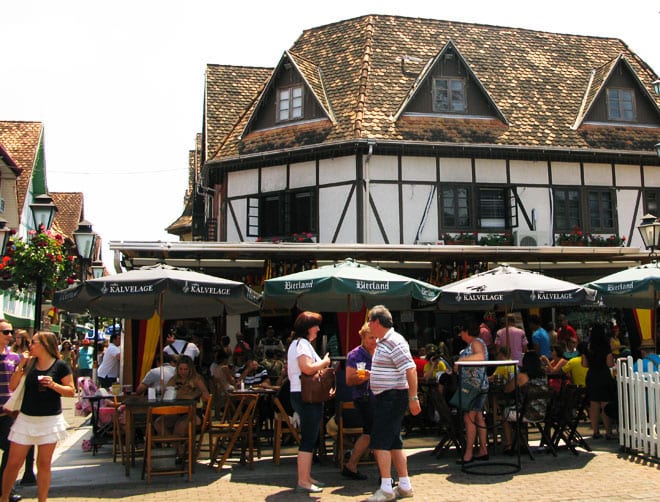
pixel 348 322
pixel 160 344
pixel 506 327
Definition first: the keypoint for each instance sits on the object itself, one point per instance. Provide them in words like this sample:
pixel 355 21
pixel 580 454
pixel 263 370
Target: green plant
pixel 576 235
pixel 613 240
pixel 461 236
pixel 295 237
pixel 498 239
pixel 43 256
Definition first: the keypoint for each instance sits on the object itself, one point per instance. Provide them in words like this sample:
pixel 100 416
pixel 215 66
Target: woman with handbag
pixel 303 359
pixel 40 421
pixel 474 391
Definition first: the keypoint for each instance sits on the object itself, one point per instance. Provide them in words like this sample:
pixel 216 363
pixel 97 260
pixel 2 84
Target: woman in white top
pixel 302 358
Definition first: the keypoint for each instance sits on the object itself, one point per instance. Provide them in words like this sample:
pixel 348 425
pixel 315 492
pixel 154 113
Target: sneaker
pixel 381 496
pixel 357 475
pixel 400 493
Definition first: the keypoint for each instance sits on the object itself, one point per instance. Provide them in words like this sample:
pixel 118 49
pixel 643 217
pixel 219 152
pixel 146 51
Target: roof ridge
pixel 365 67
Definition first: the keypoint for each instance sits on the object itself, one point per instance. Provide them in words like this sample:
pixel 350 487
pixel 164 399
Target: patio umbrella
pixel 169 292
pixel 347 286
pixel 511 288
pixel 172 293
pixel 635 288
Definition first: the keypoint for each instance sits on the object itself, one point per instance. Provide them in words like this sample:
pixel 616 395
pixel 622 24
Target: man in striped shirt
pixel 394 383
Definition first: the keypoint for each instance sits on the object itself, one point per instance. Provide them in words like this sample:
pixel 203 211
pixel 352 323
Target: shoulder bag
pixel 319 387
pixel 15 401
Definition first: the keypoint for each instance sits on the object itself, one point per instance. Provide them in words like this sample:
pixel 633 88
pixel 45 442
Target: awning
pixel 19 321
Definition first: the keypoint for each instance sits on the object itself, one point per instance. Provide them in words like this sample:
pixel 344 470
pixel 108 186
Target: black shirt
pixel 44 402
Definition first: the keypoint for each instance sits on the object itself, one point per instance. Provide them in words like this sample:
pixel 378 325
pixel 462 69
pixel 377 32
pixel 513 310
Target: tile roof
pixel 537 80
pixel 70 211
pixel 22 142
pixel 230 90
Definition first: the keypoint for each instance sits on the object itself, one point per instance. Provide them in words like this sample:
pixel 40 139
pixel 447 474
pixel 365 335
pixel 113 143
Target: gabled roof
pixel 537 80
pixel 22 140
pixel 229 92
pixel 311 75
pixel 6 158
pixel 598 81
pixel 450 47
pixel 70 212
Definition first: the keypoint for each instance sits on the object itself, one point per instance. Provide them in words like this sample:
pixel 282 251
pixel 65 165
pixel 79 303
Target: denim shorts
pixel 365 407
pixel 310 421
pixel 391 406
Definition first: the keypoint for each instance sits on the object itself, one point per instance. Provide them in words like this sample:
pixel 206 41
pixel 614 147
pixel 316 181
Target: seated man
pixel 152 378
pixel 252 374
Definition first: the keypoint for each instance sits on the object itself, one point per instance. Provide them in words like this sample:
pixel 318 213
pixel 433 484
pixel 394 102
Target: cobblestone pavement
pixel 604 474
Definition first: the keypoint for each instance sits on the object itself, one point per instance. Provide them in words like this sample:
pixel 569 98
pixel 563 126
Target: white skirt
pixel 29 430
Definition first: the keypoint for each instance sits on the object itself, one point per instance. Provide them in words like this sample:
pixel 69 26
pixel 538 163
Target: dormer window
pixel 290 103
pixel 621 104
pixel 449 95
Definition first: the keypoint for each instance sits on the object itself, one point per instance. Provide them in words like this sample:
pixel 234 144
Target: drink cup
pixel 362 370
pixel 115 389
pixel 40 379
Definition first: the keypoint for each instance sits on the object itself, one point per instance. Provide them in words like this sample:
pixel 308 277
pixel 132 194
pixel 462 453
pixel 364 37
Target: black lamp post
pixel 85 239
pixel 4 235
pixel 43 214
pixel 98 269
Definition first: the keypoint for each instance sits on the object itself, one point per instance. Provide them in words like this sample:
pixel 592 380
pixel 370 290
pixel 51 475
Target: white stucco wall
pixel 415 198
pixel 386 200
pixel 490 170
pixel 335 170
pixel 627 175
pixel 456 170
pixel 382 167
pixel 627 217
pixel 418 169
pixel 331 205
pixel 239 207
pixel 535 200
pixel 302 174
pixel 273 179
pixel 242 183
pixel 652 176
pixel 528 172
pixel 598 175
pixel 566 173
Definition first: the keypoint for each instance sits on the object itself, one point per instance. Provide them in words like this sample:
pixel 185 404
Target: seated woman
pixel 553 367
pixel 530 375
pixel 189 385
pixel 502 373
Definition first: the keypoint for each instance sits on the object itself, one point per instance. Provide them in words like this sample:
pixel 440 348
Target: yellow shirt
pixel 576 371
pixel 506 372
pixel 439 368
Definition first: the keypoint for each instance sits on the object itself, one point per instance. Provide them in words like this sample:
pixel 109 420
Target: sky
pixel 119 85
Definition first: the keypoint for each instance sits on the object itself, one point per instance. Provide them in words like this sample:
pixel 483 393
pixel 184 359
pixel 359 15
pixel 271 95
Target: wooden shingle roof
pixel 538 80
pixel 22 141
pixel 69 212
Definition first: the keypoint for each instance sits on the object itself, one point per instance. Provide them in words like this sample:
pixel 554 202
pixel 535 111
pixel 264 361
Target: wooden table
pixel 138 405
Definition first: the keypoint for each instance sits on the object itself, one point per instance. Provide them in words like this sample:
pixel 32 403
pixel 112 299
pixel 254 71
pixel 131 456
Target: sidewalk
pixel 603 474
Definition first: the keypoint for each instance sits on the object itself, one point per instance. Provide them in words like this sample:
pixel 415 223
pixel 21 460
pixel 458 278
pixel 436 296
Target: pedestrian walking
pixel 394 384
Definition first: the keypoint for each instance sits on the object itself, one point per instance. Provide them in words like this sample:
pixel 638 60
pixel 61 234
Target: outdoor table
pixel 484 468
pixel 140 404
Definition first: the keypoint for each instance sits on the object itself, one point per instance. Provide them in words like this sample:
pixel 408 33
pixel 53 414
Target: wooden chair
pixel 206 425
pixel 117 433
pixel 237 425
pixel 155 438
pixel 282 426
pixel 344 433
pixel 537 418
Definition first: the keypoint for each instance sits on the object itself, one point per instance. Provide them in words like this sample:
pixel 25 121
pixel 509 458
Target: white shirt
pixel 110 365
pixel 152 378
pixel 191 349
pixel 298 347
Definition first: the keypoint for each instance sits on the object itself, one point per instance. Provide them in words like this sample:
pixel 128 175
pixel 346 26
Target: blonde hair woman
pixel 40 421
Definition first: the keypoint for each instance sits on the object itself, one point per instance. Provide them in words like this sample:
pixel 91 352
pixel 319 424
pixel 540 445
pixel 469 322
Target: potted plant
pixel 576 237
pixel 611 241
pixel 498 239
pixel 460 239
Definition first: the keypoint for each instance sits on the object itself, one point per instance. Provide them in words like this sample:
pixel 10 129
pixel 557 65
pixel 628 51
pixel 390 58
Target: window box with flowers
pixel 607 241
pixel 299 237
pixel 576 237
pixel 499 239
pixel 460 239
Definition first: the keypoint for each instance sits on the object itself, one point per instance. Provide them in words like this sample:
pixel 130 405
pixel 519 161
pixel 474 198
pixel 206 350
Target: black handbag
pixel 319 387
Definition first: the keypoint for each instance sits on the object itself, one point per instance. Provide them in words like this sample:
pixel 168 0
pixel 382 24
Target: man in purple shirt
pixel 8 363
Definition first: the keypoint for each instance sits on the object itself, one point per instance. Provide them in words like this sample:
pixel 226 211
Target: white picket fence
pixel 639 408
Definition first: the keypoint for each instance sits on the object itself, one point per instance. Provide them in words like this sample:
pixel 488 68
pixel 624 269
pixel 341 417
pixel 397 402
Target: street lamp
pixel 98 269
pixel 4 235
pixel 43 213
pixel 85 238
pixel 649 228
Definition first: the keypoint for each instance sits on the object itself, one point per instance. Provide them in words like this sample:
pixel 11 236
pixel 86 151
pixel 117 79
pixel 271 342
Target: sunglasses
pixel 7 331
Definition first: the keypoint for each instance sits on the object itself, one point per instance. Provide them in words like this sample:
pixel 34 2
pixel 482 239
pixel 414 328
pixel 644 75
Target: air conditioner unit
pixel 531 238
pixel 2 205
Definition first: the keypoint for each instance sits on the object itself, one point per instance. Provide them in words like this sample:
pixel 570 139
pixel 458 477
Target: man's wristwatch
pixel 414 398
